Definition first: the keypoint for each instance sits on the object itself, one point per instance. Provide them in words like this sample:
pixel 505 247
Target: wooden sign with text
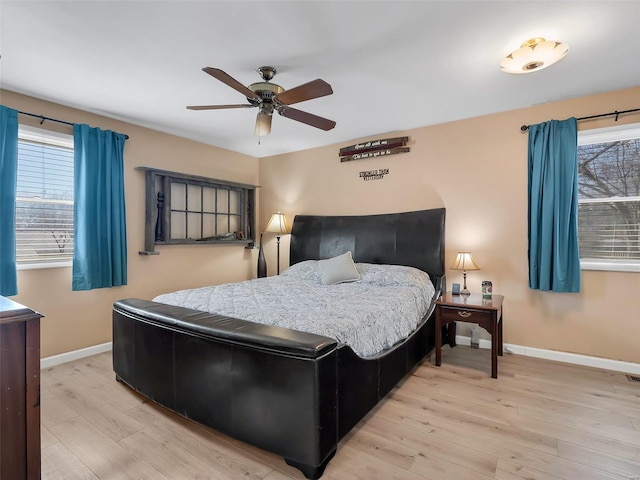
pixel 374 153
pixel 374 148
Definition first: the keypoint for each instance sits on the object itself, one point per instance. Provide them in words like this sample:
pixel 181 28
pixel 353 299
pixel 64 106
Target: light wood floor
pixel 540 420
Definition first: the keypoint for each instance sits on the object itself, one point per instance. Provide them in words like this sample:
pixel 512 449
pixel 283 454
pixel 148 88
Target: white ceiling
pixel 393 65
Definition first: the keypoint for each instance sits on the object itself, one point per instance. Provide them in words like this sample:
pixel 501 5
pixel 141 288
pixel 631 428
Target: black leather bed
pixel 292 393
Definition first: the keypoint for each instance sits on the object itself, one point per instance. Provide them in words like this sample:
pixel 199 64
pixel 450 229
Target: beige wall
pixel 477 169
pixel 75 320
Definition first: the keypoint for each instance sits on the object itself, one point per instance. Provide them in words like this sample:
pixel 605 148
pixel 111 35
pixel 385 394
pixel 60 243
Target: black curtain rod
pixel 524 128
pixel 43 118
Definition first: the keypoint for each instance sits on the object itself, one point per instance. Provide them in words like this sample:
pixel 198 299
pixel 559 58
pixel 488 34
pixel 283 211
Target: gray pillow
pixel 338 269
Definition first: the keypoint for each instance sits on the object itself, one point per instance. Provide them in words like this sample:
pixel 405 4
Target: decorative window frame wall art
pixel 181 220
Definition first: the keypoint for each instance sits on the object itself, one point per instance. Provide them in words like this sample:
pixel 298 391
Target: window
pixel 44 198
pixel 182 208
pixel 609 198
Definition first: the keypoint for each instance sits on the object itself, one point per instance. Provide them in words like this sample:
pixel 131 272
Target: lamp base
pixel 278 257
pixel 465 292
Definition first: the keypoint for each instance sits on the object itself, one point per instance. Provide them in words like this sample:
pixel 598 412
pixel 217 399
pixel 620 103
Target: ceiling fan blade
pixel 308 118
pixel 218 107
pixel 232 82
pixel 314 89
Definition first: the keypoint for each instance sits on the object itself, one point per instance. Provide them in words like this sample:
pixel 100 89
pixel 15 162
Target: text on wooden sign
pixel 374 153
pixel 374 148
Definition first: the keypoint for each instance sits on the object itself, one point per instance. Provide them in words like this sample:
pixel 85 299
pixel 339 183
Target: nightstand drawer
pixel 461 314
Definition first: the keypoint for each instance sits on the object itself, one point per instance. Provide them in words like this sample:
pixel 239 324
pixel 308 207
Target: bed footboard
pixel 268 386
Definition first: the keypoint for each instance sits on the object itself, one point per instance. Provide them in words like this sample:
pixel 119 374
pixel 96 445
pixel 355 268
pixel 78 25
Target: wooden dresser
pixel 19 391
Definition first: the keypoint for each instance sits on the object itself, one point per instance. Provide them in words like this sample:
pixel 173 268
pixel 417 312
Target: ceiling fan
pixel 269 97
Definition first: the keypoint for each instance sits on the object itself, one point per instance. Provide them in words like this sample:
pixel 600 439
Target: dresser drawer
pixel 461 314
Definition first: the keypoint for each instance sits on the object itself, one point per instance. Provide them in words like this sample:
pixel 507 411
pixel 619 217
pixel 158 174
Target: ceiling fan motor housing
pixel 266 91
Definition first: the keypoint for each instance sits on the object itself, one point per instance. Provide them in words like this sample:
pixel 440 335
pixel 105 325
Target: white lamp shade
pixel 278 224
pixel 464 262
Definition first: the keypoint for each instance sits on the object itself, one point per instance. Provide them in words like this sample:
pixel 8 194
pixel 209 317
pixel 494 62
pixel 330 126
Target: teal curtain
pixel 100 238
pixel 554 258
pixel 8 177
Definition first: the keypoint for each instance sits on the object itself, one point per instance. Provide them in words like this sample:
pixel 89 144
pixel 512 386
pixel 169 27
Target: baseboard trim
pixel 566 357
pixel 74 355
pixel 574 358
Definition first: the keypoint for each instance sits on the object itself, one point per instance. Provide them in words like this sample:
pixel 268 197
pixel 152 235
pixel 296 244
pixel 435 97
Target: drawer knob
pixel 464 314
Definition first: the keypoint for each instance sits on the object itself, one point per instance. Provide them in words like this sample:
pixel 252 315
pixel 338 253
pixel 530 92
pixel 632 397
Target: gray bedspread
pixel 369 315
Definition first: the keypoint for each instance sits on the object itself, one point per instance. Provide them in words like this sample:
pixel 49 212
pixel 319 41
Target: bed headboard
pixel 414 239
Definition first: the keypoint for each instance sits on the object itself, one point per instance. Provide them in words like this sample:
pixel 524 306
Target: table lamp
pixel 464 262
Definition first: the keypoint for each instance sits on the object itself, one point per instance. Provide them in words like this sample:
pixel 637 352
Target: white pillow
pixel 338 269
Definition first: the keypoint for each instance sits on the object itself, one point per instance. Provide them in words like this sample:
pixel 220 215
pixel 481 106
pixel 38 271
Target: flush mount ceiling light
pixel 534 54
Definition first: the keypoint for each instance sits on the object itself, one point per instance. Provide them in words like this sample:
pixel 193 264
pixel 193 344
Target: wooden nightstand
pixel 485 312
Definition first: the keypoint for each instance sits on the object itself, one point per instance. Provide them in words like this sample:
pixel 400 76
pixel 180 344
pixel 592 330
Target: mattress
pixel 369 315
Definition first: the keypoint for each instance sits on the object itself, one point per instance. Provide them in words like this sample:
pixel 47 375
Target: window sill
pixel 206 242
pixel 247 244
pixel 40 266
pixel 629 266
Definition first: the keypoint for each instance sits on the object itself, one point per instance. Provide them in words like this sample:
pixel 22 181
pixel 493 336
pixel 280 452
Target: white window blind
pixel 609 198
pixel 44 197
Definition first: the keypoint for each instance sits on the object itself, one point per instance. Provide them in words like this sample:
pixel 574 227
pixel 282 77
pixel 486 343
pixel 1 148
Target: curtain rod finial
pixel 524 128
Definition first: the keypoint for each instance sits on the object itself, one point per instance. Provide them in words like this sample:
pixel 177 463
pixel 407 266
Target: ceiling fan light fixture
pixel 263 122
pixel 533 55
